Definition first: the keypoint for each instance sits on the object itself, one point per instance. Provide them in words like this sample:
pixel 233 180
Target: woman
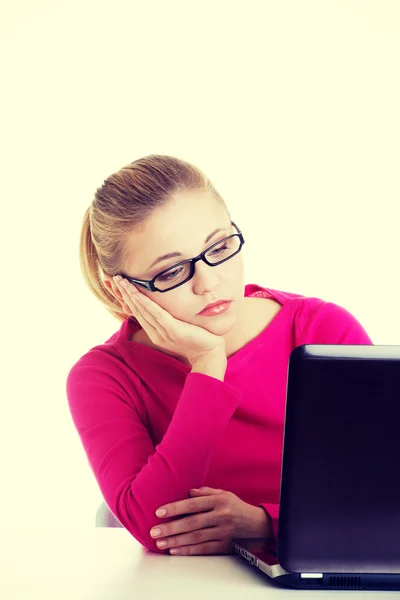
pixel 182 409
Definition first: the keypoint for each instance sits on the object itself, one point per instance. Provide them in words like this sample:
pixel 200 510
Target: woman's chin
pixel 217 325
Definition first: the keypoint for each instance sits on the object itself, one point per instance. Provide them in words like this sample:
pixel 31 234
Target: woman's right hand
pixel 181 338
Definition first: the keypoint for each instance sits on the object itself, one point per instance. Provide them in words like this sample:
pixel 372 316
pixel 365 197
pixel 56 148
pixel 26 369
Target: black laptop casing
pixel 340 485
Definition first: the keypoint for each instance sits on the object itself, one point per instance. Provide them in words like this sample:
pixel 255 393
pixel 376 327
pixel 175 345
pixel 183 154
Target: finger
pixel 129 287
pixel 184 507
pixel 133 301
pixel 150 310
pixel 117 286
pixel 186 525
pixel 204 491
pixel 133 307
pixel 189 538
pixel 127 292
pixel 146 326
pixel 214 547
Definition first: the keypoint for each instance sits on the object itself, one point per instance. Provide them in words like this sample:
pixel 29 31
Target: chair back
pixel 105 518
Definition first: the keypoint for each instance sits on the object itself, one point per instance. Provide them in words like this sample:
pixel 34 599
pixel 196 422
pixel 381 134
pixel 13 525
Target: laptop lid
pixel 340 486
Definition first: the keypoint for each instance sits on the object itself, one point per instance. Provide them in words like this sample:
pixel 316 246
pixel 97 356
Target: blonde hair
pixel 121 205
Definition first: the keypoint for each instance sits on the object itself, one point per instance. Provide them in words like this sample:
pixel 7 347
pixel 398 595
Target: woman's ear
pixel 113 289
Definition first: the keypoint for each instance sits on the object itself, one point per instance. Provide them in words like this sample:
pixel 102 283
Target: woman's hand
pixel 166 331
pixel 215 518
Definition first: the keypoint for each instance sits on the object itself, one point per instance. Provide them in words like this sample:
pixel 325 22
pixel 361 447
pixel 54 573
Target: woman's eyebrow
pixel 172 254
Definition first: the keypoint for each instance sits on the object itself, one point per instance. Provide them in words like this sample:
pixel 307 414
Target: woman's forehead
pixel 176 242
pixel 191 239
pixel 184 222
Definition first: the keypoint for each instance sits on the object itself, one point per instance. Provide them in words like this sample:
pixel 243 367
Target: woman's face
pixel 183 226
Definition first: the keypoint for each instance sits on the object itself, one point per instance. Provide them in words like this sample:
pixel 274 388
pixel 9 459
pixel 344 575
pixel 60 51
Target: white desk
pixel 108 564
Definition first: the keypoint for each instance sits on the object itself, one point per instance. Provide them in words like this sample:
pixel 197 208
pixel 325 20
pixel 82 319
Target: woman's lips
pixel 216 309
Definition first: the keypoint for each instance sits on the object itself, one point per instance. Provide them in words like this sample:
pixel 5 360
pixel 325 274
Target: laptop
pixel 339 513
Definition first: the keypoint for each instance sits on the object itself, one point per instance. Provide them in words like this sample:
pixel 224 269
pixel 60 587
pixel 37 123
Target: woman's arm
pixel 135 477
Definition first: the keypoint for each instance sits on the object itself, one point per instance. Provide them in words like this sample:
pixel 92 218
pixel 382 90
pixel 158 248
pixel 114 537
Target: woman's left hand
pixel 215 518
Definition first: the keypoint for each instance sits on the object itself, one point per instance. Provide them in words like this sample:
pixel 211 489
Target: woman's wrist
pixel 213 364
pixel 259 523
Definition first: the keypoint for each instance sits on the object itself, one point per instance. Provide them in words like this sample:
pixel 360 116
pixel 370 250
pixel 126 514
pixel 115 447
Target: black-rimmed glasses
pixel 180 273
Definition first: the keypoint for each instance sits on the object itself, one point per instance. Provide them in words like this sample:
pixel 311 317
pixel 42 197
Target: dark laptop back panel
pixel 340 493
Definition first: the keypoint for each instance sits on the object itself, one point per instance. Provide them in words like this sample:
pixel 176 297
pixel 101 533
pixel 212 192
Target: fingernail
pixel 174 551
pixel 161 543
pixel 155 532
pixel 161 512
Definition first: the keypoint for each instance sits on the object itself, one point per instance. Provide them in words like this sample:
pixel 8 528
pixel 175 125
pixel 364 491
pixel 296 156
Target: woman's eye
pixel 217 250
pixel 170 275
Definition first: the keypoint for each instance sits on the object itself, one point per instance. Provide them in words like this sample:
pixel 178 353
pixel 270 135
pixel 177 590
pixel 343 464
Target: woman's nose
pixel 205 278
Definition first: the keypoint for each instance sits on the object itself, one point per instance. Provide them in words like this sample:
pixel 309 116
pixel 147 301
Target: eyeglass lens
pixel 177 275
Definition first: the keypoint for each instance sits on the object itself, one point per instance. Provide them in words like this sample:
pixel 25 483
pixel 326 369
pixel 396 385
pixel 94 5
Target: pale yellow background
pixel 291 107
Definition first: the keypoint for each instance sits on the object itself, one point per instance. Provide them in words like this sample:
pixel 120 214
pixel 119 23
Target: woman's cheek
pixel 178 308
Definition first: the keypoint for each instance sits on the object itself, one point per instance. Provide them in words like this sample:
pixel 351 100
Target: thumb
pixel 204 491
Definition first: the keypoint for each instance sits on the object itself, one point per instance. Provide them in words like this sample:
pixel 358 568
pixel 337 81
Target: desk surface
pixel 106 563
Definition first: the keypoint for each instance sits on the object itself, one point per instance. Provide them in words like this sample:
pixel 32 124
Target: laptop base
pixel 259 553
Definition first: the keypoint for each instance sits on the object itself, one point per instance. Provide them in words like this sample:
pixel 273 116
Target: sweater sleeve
pixel 273 511
pixel 135 477
pixel 325 323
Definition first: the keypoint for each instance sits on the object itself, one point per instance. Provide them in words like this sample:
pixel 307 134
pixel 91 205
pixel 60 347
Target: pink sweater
pixel 152 430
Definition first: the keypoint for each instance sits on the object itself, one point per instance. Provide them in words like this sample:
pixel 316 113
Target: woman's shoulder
pixel 299 300
pixel 253 290
pixel 316 320
pixel 101 364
